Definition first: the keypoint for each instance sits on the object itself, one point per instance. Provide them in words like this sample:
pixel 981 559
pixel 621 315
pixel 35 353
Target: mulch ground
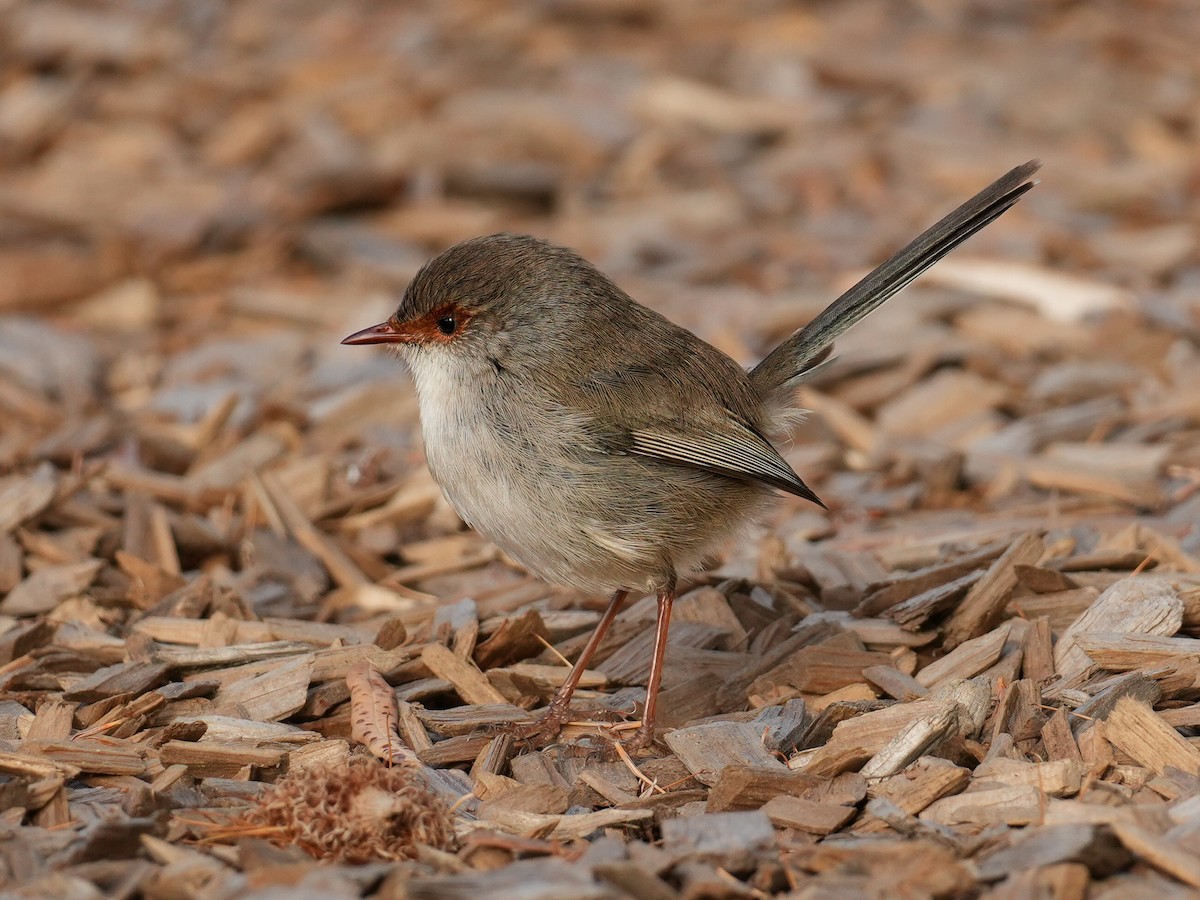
pixel 229 586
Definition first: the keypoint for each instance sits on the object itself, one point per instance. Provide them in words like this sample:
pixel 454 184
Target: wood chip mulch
pixel 229 588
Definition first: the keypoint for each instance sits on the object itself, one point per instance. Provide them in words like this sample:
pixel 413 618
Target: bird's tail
pixel 808 347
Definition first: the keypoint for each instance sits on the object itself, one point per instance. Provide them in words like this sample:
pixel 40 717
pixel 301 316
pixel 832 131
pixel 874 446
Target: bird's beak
pixel 388 332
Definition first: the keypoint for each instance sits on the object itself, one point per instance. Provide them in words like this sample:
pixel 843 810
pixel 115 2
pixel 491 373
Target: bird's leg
pixel 644 736
pixel 550 722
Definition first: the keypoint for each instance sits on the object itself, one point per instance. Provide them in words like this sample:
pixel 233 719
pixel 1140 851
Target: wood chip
pixel 967 659
pixel 1132 606
pixel 707 750
pixel 806 816
pixel 468 681
pixel 985 601
pixel 1162 855
pixel 1134 729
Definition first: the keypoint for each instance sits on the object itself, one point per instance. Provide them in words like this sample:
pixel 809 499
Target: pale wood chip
pixel 985 601
pixel 917 738
pixel 1131 606
pixel 471 684
pixel 709 749
pixel 1011 805
pixel 44 589
pixel 1164 855
pixel 967 659
pixel 1133 728
pixel 24 496
pixel 1123 652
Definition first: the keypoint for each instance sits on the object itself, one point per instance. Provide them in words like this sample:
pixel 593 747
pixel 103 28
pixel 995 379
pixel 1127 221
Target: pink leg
pixel 550 722
pixel 644 736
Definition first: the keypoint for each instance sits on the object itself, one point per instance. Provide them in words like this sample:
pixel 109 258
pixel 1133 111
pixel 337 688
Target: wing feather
pixel 732 450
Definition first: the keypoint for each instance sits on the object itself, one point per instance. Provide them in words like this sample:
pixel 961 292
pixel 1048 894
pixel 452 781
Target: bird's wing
pixel 728 448
pixel 686 405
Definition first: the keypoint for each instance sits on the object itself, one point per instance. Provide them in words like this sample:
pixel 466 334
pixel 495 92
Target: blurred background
pixel 199 199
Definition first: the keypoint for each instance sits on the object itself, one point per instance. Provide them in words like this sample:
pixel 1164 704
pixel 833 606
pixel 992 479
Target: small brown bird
pixel 597 443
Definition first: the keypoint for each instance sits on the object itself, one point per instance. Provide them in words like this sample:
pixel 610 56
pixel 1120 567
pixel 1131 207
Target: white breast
pixel 462 449
pixel 518 481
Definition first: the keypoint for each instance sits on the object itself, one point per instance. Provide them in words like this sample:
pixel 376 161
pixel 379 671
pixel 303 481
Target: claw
pixel 541 730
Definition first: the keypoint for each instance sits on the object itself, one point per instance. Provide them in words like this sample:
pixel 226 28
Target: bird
pixel 597 443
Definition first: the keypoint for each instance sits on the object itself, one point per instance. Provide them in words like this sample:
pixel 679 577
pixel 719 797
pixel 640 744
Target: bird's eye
pixel 447 324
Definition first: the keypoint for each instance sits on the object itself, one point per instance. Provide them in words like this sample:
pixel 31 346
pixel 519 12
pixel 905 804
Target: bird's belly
pixel 573 515
pixel 517 493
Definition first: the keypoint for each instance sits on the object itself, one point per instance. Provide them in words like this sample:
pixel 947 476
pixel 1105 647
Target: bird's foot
pixel 544 728
pixel 642 739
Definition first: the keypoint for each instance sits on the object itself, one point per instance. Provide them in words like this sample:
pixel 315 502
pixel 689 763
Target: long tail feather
pixel 798 354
